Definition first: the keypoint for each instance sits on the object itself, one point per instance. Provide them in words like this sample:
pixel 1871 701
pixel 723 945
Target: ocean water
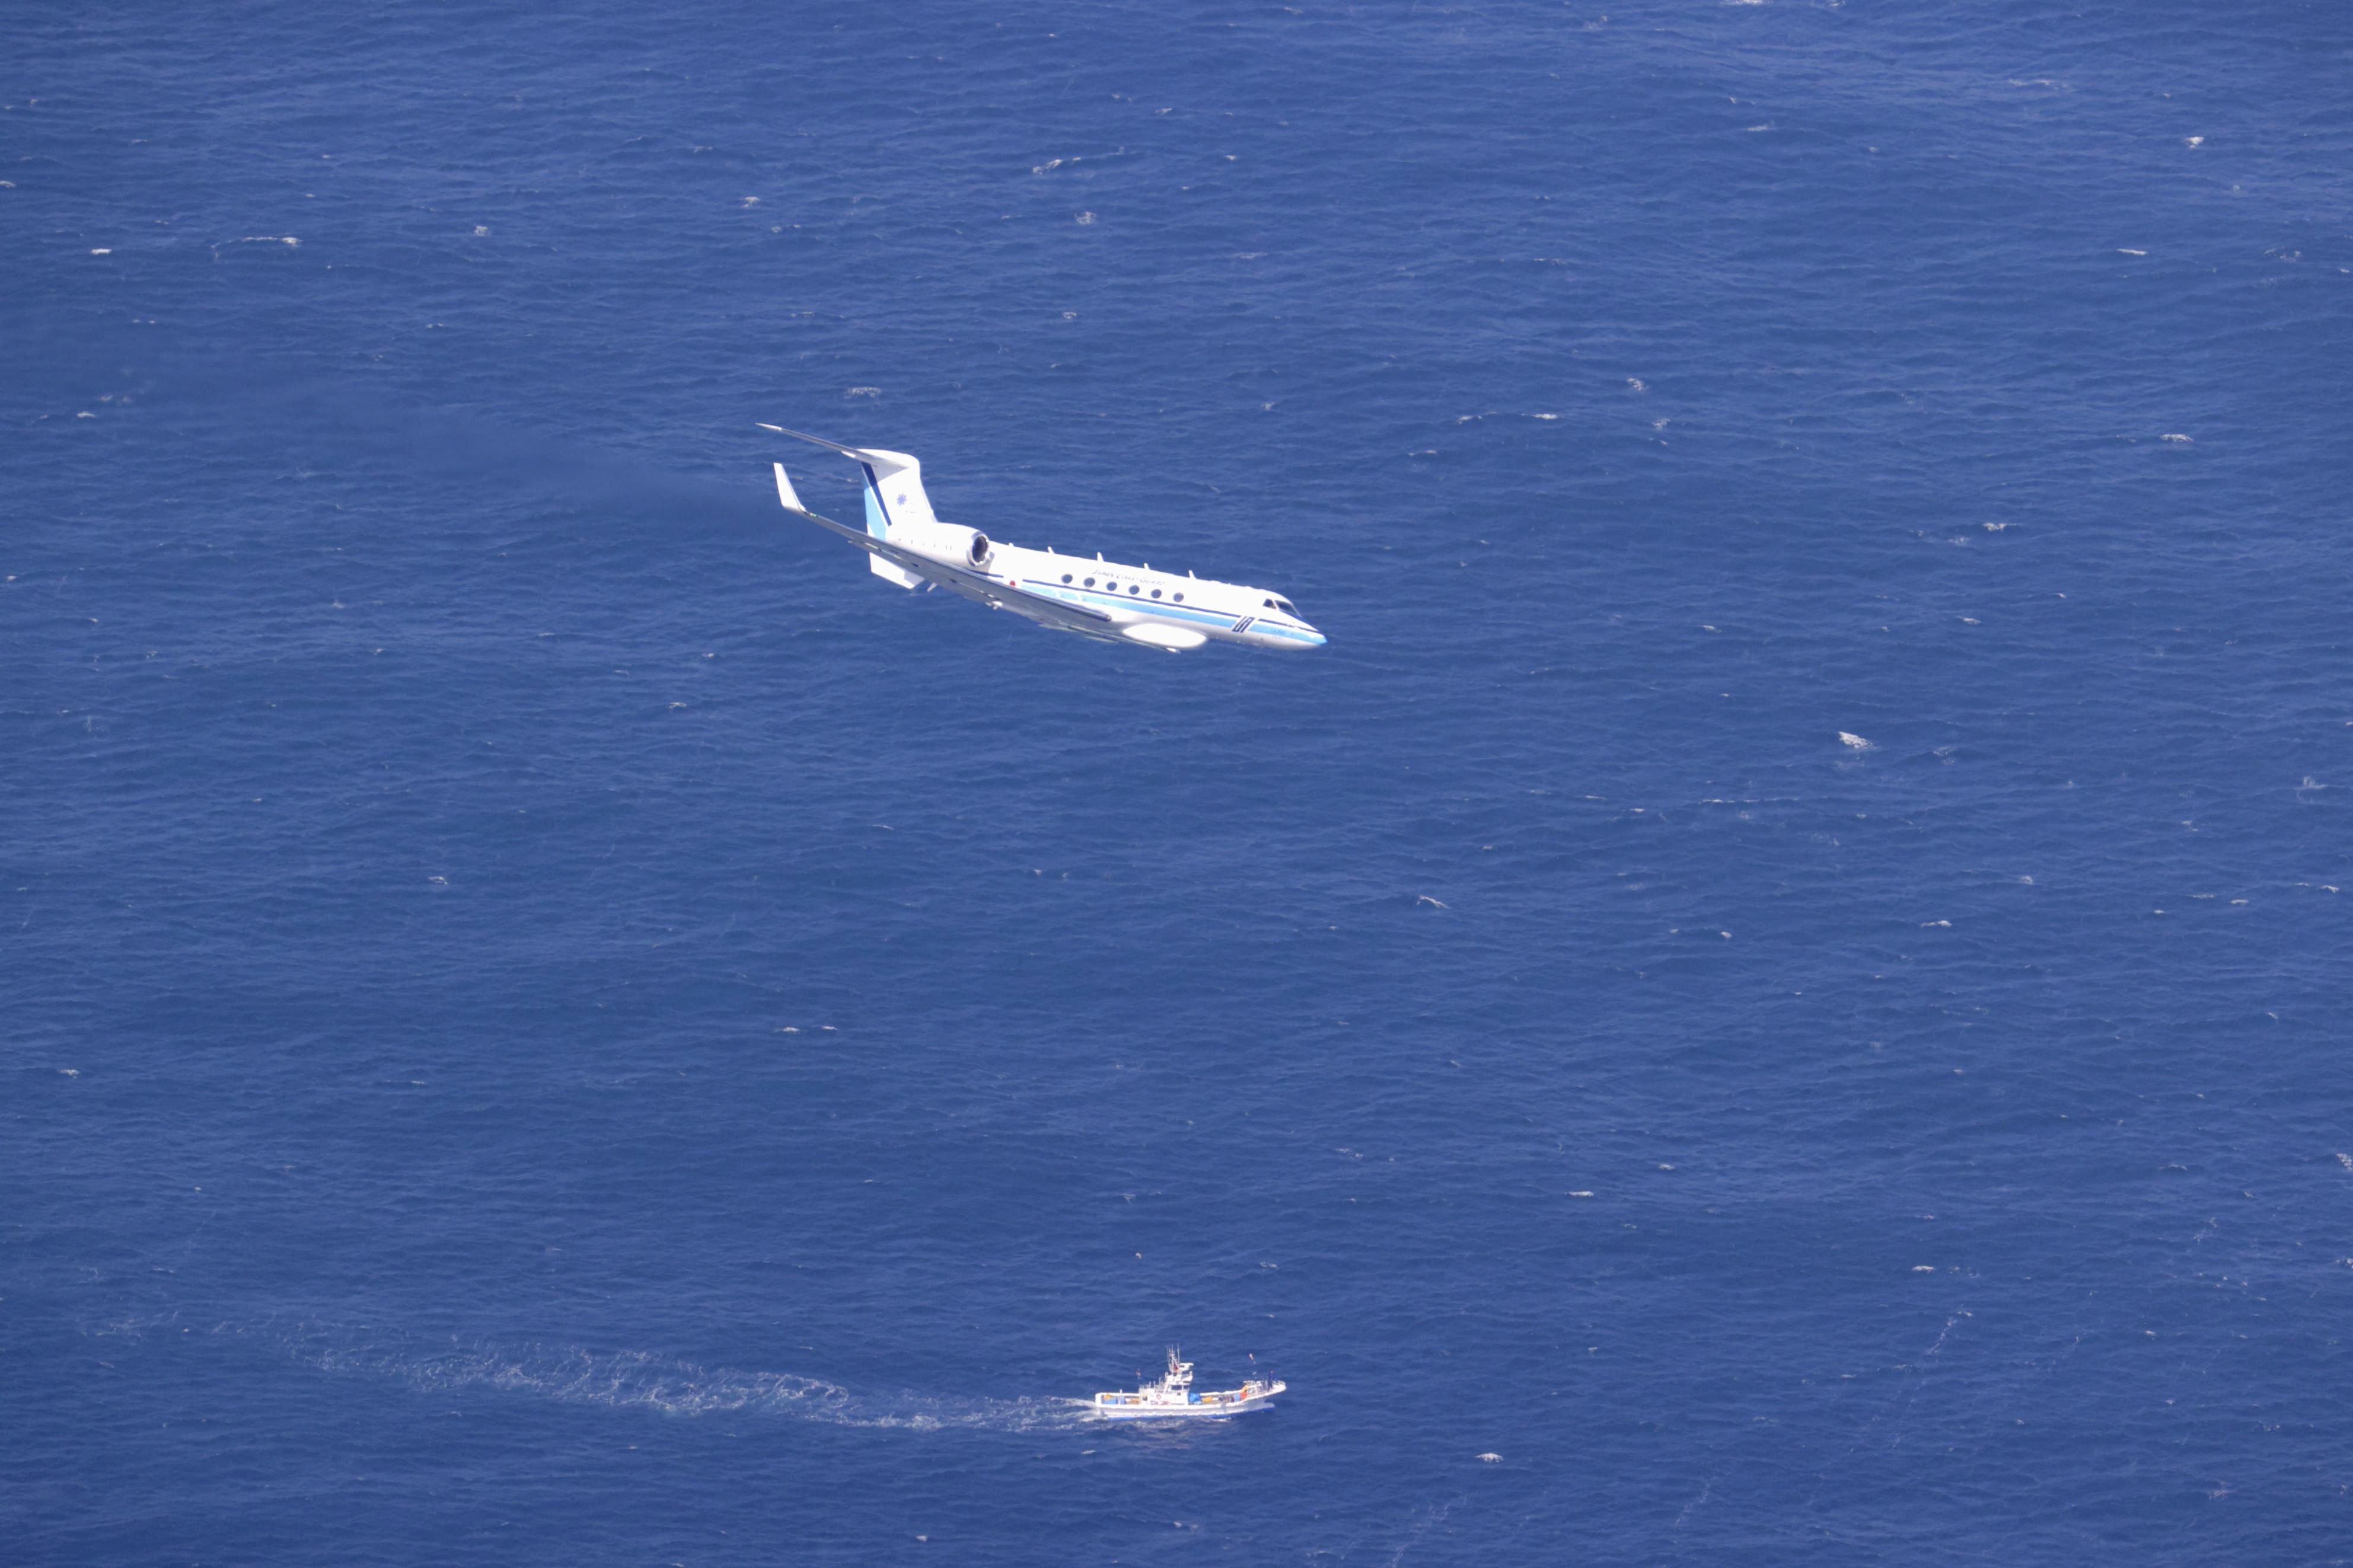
pixel 1778 994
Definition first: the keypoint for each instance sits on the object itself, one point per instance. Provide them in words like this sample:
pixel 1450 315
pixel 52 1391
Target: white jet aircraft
pixel 907 544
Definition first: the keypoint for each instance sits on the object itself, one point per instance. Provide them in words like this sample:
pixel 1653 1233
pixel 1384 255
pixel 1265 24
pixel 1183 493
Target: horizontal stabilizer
pixel 812 440
pixel 891 573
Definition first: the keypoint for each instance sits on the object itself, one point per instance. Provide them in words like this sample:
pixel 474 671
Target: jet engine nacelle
pixel 958 546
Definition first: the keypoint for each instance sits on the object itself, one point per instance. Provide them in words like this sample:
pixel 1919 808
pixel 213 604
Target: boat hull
pixel 1180 1412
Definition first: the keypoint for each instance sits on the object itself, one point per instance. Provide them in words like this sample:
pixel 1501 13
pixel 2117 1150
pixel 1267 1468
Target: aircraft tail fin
pixel 894 495
pixel 894 483
pixel 894 492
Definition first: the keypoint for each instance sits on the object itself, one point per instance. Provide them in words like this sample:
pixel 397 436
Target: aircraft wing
pixel 1039 608
pixel 896 555
pixel 971 584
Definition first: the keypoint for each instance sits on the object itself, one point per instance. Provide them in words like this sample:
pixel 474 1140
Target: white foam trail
pixel 623 1379
pixel 573 1375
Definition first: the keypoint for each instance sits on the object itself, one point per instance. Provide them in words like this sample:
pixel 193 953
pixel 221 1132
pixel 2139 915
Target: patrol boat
pixel 1173 1395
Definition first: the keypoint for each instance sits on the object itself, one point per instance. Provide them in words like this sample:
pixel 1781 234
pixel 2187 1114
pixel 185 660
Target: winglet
pixel 784 491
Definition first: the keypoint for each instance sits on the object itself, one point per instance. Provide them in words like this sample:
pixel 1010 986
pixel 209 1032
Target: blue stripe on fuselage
pixel 1222 619
pixel 1152 607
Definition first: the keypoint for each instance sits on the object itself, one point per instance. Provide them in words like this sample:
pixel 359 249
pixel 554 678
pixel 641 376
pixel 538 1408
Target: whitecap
pixel 1851 739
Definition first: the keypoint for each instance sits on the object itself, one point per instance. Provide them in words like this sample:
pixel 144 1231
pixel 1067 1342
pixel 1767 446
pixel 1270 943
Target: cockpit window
pixel 1284 605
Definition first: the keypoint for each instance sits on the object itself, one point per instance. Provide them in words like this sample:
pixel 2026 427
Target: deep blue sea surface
pixel 1778 995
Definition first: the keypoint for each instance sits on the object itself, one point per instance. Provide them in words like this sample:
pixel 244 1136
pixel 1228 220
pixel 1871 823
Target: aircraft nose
pixel 1316 638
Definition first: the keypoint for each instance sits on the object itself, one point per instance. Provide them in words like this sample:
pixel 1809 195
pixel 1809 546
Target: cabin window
pixel 1156 592
pixel 1066 576
pixel 1110 586
pixel 1180 598
pixel 1134 588
pixel 1091 582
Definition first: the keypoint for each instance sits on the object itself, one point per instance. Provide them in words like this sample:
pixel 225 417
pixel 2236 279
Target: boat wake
pixel 623 1379
pixel 667 1385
